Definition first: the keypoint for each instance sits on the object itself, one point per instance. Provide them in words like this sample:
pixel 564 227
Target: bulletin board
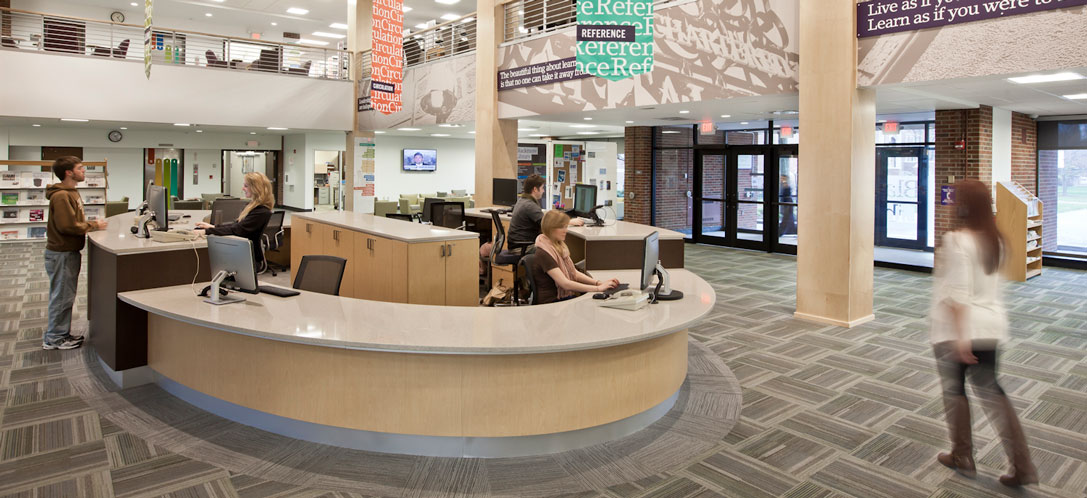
pixel 531 160
pixel 568 166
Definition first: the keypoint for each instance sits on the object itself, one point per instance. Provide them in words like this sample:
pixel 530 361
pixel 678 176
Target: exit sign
pixel 890 127
pixel 707 128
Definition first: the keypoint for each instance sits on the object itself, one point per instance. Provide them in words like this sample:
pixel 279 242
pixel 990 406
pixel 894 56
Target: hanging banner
pixel 881 17
pixel 365 160
pixel 387 56
pixel 147 7
pixel 614 39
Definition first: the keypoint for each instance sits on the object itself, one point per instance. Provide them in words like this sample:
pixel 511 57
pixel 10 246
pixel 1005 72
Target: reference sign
pixel 614 38
pixel 880 17
pixel 387 62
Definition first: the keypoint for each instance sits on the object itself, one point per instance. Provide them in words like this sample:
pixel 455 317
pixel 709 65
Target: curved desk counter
pixel 435 380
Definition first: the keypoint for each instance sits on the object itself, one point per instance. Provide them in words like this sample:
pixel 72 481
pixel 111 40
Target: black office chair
pixel 427 203
pixel 271 239
pixel 500 257
pixel 527 263
pixel 320 274
pixel 402 217
pixel 447 214
pixel 225 210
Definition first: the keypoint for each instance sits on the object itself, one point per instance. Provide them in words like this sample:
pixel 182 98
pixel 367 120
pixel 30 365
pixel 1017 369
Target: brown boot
pixel 1016 479
pixel 963 464
pixel 961 457
pixel 1015 442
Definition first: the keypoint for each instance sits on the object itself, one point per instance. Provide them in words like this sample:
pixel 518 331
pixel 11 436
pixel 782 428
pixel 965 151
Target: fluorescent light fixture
pixel 743 122
pixel 297 11
pixel 75 120
pixel 881 121
pixel 467 20
pixel 218 1
pixel 1076 96
pixel 669 132
pixel 338 25
pixel 588 119
pixel 684 112
pixel 582 126
pixel 450 125
pixel 1046 78
pixel 447 2
pixel 378 132
pixel 421 25
pixel 417 36
pixel 407 9
pixel 307 41
pixel 439 134
pixel 587 133
pixel 181 124
pixel 36 125
pixel 329 35
pixel 630 122
pixel 134 4
pixel 252 133
pixel 207 14
pixel 124 128
pixel 275 24
pixel 450 17
pixel 538 135
pixel 276 128
pixel 471 133
pixel 726 116
pixel 200 131
pixel 409 129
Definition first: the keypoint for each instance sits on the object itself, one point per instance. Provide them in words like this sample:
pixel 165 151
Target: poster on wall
pixel 363 189
pixel 614 39
pixel 387 64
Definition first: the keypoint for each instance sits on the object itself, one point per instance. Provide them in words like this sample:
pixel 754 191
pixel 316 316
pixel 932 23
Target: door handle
pixel 336 235
pixel 449 252
pixel 309 228
pixel 443 250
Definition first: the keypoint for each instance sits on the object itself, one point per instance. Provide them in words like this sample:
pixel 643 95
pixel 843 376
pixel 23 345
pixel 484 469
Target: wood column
pixel 360 22
pixel 496 139
pixel 837 176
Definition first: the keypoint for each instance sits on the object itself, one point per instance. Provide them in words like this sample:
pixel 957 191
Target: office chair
pixel 213 60
pixel 271 239
pixel 427 203
pixel 447 214
pixel 402 217
pixel 500 257
pixel 226 209
pixel 527 263
pixel 320 274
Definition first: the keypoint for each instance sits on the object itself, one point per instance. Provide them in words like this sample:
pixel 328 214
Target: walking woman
pixel 969 322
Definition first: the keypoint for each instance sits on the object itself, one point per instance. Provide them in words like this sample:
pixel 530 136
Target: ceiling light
pixel 669 132
pixel 207 14
pixel 276 128
pixel 36 125
pixel 450 125
pixel 467 19
pixel 252 133
pixel 200 131
pixel 275 24
pixel 881 121
pixel 588 133
pixel 726 115
pixel 471 133
pixel 76 120
pixel 409 129
pixel 743 122
pixel 1076 96
pixel 582 126
pixel 421 25
pixel 684 112
pixel 378 132
pixel 329 35
pixel 134 4
pixel 218 1
pixel 124 128
pixel 630 122
pixel 439 134
pixel 447 2
pixel 450 17
pixel 181 124
pixel 588 119
pixel 538 135
pixel 338 25
pixel 297 11
pixel 307 41
pixel 1046 78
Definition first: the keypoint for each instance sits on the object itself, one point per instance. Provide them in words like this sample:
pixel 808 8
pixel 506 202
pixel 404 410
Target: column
pixel 964 150
pixel 496 139
pixel 639 174
pixel 360 18
pixel 837 173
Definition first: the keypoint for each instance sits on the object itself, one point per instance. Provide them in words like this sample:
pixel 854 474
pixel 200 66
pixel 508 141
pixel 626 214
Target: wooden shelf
pixel 1034 224
pixel 1034 273
pixel 1014 205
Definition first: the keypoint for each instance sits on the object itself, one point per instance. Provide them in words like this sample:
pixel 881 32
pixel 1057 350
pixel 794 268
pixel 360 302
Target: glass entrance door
pixel 784 214
pixel 748 197
pixel 902 197
pixel 711 209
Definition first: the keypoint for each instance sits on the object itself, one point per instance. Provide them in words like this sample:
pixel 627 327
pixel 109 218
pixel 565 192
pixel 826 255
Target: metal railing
pixel 438 42
pixel 532 17
pixel 25 30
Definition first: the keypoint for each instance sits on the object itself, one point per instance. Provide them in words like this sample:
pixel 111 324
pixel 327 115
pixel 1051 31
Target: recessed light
pixel 207 14
pixel 439 134
pixel 409 129
pixel 1076 96
pixel 538 135
pixel 338 25
pixel 630 122
pixel 450 17
pixel 881 121
pixel 329 35
pixel 684 112
pixel 582 126
pixel 275 24
pixel 134 4
pixel 200 131
pixel 471 133
pixel 75 120
pixel 407 9
pixel 307 41
pixel 124 127
pixel 181 124
pixel 447 2
pixel 743 122
pixel 378 132
pixel 276 128
pixel 252 133
pixel 588 133
pixel 297 11
pixel 218 1
pixel 467 20
pixel 1046 78
pixel 588 119
pixel 726 115
pixel 669 132
pixel 36 125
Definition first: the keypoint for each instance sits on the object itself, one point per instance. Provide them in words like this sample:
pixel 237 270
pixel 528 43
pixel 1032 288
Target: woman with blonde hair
pixel 252 220
pixel 553 271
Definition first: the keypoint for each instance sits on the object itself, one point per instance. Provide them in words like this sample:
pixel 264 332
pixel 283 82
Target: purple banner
pixel 540 74
pixel 881 17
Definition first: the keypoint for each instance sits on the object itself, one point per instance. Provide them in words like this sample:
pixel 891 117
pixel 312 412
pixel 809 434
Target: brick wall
pixel 1049 184
pixel 975 161
pixel 675 177
pixel 1025 151
pixel 639 145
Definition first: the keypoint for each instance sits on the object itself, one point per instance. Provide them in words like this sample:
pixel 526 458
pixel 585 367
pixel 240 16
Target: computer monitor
pixel 231 261
pixel 156 202
pixel 650 266
pixel 505 191
pixel 584 199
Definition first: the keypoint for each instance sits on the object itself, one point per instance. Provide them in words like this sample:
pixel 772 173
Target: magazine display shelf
pixel 1019 217
pixel 24 209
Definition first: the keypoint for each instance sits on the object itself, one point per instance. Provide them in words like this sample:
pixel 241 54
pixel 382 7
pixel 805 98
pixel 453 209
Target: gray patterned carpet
pixel 826 411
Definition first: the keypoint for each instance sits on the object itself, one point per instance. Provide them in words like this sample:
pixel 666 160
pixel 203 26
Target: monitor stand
pixel 664 291
pixel 213 294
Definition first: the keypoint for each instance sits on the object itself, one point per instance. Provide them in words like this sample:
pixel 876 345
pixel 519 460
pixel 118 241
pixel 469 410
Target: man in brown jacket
pixel 67 234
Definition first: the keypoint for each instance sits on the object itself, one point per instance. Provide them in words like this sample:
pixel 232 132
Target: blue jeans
pixel 63 270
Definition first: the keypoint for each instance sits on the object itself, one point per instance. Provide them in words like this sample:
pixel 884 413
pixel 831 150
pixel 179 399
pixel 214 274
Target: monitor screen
pixel 420 160
pixel 505 191
pixel 233 254
pixel 156 202
pixel 584 199
pixel 649 261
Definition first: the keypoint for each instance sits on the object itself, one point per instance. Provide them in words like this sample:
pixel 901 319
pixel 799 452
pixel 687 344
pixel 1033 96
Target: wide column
pixel 496 139
pixel 360 22
pixel 837 175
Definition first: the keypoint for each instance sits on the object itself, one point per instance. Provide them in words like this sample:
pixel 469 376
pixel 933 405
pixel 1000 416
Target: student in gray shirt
pixel 527 214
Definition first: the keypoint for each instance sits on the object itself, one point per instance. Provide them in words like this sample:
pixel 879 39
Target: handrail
pixel 430 44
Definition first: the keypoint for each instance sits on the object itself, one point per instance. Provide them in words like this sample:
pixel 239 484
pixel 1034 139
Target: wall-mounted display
pixel 420 159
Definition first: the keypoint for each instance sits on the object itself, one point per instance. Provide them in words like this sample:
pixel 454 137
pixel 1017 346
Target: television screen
pixel 420 160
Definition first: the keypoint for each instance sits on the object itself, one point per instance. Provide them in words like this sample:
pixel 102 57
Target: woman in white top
pixel 968 323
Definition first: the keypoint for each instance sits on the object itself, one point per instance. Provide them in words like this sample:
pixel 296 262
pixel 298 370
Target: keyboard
pixel 499 211
pixel 620 287
pixel 277 291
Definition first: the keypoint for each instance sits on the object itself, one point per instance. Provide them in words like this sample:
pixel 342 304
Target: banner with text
pixel 614 38
pixel 539 74
pixel 880 17
pixel 387 61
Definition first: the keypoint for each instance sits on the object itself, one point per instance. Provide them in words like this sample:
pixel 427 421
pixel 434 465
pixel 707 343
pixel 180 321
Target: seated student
pixel 554 273
pixel 525 222
pixel 253 219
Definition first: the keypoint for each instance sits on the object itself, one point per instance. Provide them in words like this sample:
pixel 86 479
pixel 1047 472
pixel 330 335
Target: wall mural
pixel 438 92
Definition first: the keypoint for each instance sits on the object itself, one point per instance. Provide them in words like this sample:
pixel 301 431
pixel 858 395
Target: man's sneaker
pixel 66 343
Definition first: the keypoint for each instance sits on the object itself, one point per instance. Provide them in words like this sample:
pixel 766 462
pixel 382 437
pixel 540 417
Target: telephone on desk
pixel 630 300
pixel 173 236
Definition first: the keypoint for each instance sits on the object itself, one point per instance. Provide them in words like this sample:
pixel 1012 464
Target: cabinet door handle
pixel 336 235
pixel 309 228
pixel 449 251
pixel 370 244
pixel 443 250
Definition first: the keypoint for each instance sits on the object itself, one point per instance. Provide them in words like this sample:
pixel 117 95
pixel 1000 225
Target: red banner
pixel 387 61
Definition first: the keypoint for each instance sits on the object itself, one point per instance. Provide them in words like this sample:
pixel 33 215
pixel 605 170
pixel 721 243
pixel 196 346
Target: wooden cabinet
pixel 303 241
pixel 462 273
pixel 382 268
pixel 340 242
pixel 444 273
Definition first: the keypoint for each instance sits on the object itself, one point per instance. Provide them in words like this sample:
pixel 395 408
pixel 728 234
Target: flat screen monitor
pixel 420 160
pixel 505 191
pixel 156 202
pixel 233 255
pixel 584 199
pixel 649 261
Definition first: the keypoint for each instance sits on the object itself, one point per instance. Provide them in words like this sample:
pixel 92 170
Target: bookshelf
pixel 1019 217
pixel 24 210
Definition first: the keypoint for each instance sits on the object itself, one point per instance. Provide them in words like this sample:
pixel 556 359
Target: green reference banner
pixel 614 38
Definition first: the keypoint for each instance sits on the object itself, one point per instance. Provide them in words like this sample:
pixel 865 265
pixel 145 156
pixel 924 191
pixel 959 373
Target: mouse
pixel 600 295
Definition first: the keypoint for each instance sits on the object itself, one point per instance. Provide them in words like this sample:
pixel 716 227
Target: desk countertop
pixel 613 230
pixel 332 321
pixel 385 227
pixel 118 238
